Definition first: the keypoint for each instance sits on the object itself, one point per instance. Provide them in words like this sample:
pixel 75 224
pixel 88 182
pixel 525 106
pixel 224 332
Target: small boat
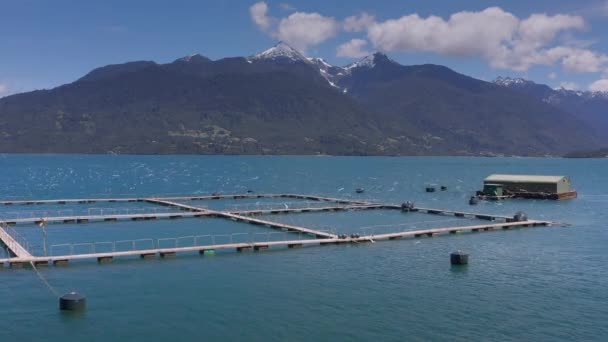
pixel 360 190
pixel 473 200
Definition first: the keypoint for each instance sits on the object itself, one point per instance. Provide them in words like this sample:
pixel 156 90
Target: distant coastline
pixel 599 153
pixel 569 155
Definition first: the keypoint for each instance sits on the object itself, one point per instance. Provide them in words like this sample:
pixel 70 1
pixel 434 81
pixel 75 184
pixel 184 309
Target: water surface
pixel 529 284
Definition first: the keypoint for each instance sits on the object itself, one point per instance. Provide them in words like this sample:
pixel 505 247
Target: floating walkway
pixel 20 256
pixel 241 218
pixel 258 246
pixel 177 198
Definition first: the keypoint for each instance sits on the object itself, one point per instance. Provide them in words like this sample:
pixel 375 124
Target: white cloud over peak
pixel 456 36
pixel 3 88
pixel 300 29
pixel 599 85
pixel 259 15
pixel 499 37
pixel 358 23
pixel 575 59
pixel 355 48
pixel 306 29
pixel 541 29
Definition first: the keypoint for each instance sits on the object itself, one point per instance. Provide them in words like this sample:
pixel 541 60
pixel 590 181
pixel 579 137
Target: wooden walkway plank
pixel 68 200
pixel 13 245
pixel 248 219
pixel 90 218
pixel 306 209
pixel 475 228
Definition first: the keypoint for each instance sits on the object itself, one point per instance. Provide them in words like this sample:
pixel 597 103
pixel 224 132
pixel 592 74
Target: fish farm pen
pixel 44 236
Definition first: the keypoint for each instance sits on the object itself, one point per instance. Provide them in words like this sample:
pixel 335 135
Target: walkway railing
pixel 19 241
pixel 171 242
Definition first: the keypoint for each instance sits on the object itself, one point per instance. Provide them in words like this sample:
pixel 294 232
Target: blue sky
pixel 48 43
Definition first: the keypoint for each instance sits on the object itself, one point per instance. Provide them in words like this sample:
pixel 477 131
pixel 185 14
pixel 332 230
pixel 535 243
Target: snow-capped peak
pixel 508 81
pixel 583 93
pixel 369 61
pixel 280 52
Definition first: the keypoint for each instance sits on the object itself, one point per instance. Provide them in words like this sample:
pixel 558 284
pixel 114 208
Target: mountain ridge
pixel 588 106
pixel 281 102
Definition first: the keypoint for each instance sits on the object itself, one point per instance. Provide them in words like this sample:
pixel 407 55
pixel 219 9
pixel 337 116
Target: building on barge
pixel 498 186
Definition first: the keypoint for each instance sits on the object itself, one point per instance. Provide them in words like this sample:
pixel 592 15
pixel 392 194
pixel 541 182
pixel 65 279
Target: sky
pixel 562 43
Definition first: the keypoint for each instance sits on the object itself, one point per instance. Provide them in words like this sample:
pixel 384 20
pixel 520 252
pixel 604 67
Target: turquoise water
pixel 533 284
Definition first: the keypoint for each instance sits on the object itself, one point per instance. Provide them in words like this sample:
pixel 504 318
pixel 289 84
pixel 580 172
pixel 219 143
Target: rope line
pixel 44 280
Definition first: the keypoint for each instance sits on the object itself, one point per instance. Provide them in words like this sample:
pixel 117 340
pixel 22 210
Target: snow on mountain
pixel 284 53
pixel 585 94
pixel 369 61
pixel 508 81
pixel 366 62
pixel 330 72
pixel 281 52
pixel 582 93
pixel 320 62
pixel 554 93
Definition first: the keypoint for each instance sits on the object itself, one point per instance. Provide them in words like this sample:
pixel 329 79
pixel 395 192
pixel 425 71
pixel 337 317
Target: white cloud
pixel 358 23
pixel 465 33
pixel 300 29
pixel 552 75
pixel 599 85
pixel 259 15
pixel 306 29
pixel 574 59
pixel 499 37
pixel 541 29
pixel 287 7
pixel 569 85
pixel 3 88
pixel 354 49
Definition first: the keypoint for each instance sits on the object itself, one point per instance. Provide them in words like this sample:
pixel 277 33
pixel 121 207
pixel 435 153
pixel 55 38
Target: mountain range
pixel 281 102
pixel 590 107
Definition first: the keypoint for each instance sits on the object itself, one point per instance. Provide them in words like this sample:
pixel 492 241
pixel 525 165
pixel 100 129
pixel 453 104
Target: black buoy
pixel 72 302
pixel 430 189
pixel 444 188
pixel 459 258
pixel 360 190
pixel 473 200
pixel 520 217
pixel 407 206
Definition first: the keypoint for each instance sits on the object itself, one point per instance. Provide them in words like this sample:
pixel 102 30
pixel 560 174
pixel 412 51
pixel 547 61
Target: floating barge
pixel 501 186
